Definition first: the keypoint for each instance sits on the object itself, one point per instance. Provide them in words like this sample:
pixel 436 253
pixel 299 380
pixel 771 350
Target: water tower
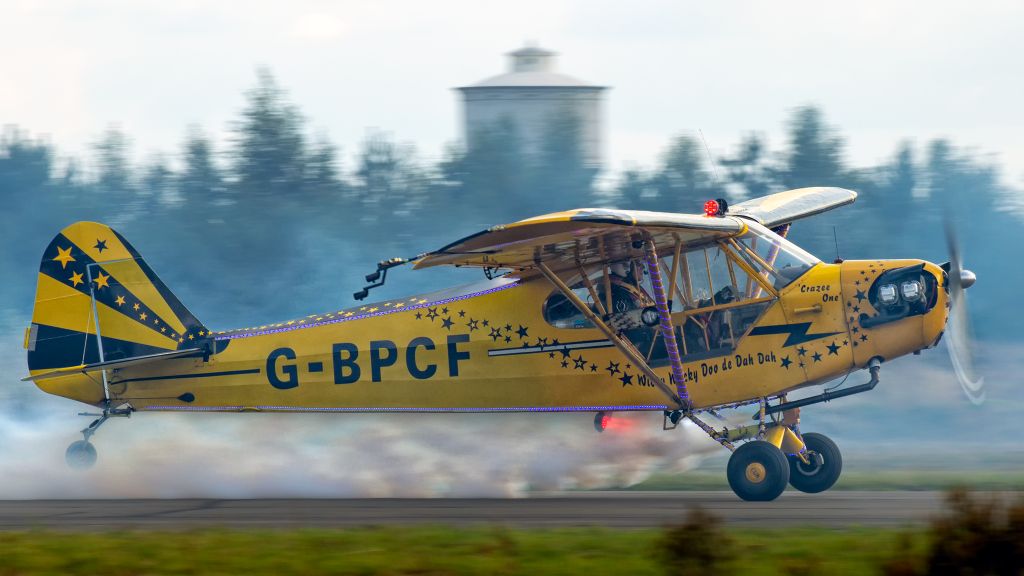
pixel 529 95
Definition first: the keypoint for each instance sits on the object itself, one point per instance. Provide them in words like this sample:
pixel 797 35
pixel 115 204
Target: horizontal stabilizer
pixel 113 364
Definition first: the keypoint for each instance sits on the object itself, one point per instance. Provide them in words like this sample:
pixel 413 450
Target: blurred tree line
pixel 275 221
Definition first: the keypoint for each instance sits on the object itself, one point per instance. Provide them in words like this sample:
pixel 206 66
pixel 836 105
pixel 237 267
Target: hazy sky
pixel 882 70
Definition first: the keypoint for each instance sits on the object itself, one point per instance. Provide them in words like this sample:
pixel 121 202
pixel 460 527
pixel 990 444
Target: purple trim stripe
pixel 233 335
pixel 665 320
pixel 624 408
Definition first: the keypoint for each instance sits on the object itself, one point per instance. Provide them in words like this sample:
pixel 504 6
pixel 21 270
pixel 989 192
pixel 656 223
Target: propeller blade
pixel 959 337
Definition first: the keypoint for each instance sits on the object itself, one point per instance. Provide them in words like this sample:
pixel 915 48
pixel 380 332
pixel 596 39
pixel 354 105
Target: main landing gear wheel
pixel 825 465
pixel 80 455
pixel 758 471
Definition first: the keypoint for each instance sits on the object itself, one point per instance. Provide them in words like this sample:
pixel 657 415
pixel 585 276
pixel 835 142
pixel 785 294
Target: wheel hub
pixel 755 472
pixel 814 464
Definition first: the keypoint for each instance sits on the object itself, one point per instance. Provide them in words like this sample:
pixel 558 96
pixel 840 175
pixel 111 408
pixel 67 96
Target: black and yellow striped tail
pixel 98 301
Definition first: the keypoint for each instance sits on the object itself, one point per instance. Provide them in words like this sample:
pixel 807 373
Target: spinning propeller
pixel 958 327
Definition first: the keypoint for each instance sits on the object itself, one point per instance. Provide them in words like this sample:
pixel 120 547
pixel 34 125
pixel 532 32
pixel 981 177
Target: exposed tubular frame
pixel 621 343
pixel 680 286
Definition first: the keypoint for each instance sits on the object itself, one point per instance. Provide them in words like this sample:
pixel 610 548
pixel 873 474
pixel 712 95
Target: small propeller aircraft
pixel 590 310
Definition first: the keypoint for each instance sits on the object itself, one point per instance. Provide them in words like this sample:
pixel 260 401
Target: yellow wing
pixel 785 207
pixel 586 235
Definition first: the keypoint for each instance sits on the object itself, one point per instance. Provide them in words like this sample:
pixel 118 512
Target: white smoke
pixel 351 455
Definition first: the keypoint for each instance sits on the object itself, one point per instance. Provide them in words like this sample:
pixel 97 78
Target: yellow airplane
pixel 590 310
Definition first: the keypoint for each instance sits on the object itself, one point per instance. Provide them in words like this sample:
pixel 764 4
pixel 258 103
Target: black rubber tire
pixel 813 479
pixel 773 472
pixel 80 455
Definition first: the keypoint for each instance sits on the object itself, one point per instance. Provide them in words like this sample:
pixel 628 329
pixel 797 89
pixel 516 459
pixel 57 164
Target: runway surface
pixel 611 509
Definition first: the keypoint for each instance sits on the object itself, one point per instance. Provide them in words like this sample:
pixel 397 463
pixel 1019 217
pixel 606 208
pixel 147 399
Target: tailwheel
pixel 823 467
pixel 80 455
pixel 758 471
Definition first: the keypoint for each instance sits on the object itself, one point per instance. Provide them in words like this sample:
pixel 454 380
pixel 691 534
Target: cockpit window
pixel 777 259
pixel 716 295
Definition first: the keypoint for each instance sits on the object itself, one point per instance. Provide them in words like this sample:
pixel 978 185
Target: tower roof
pixel 532 66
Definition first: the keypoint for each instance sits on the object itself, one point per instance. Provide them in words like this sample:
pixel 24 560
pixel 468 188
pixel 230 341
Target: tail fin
pixel 93 283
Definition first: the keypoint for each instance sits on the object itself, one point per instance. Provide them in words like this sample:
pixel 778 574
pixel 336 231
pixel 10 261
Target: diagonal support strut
pixel 668 332
pixel 625 347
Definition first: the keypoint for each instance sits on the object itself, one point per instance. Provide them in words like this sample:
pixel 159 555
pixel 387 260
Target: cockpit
pixel 717 289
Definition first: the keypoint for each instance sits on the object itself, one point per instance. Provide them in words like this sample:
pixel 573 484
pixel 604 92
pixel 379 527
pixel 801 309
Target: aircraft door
pixel 819 338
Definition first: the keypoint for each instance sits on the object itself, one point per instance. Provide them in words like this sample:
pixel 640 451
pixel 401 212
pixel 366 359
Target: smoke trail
pixel 243 456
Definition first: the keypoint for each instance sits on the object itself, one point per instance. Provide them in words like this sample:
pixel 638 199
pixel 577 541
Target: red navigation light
pixel 711 208
pixel 601 421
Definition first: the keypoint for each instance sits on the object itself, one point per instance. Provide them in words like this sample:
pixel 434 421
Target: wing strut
pixel 622 344
pixel 668 332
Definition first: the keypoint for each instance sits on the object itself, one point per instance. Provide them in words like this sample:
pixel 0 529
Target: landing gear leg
pixel 81 454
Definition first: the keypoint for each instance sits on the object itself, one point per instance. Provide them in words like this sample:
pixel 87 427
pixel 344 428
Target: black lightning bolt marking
pixel 797 333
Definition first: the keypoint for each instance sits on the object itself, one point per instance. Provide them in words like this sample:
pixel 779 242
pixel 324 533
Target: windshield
pixel 778 259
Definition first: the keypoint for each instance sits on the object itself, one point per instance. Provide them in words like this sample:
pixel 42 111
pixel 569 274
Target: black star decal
pixel 565 352
pixel 462 313
pixel 432 313
pixel 854 343
pixel 856 309
pixel 628 365
pixel 786 362
pixel 419 315
pixel 509 339
pixel 579 363
pixel 613 368
pixel 486 323
pixel 542 341
pixel 472 324
pixel 593 367
pixel 860 296
pixel 627 379
pixel 846 342
pixel 508 327
pixel 861 272
pixel 447 323
pixel 495 334
pixel 565 363
pixel 801 364
pixel 801 351
pixel 863 337
pixel 550 354
pixel 856 329
pixel 101 245
pixel 521 332
pixel 833 350
pixel 444 310
pixel 816 356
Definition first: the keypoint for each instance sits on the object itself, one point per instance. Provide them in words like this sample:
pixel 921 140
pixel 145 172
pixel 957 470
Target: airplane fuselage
pixel 488 347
